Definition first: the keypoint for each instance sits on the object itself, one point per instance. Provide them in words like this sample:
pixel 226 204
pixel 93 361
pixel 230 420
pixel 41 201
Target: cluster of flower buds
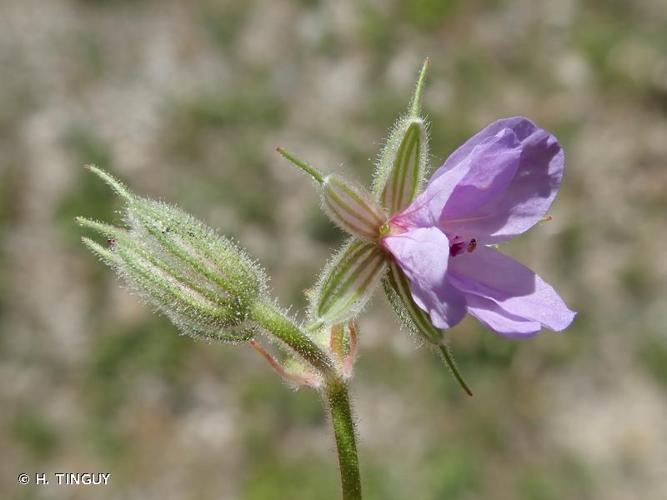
pixel 203 282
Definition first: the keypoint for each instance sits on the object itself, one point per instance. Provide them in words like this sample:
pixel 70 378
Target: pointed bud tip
pixel 415 105
pixel 449 360
pixel 100 227
pixel 99 250
pixel 117 186
pixel 425 65
pixel 297 162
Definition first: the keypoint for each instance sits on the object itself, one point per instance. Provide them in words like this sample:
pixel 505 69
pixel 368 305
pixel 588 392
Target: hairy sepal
pixel 352 208
pixel 403 162
pixel 203 282
pixel 405 177
pixel 417 321
pixel 347 283
pixel 412 317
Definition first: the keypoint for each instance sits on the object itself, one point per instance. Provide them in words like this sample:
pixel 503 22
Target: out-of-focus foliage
pixel 186 101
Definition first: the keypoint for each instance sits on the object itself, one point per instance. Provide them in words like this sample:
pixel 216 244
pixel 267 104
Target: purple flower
pixel 497 185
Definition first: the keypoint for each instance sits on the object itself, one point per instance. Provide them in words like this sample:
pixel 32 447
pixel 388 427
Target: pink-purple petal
pixel 517 290
pixel 513 205
pixel 500 321
pixel 426 209
pixel 422 254
pixel 520 125
pixel 491 166
pixel 494 187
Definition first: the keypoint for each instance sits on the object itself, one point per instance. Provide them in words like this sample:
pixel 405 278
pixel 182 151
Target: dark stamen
pixel 457 248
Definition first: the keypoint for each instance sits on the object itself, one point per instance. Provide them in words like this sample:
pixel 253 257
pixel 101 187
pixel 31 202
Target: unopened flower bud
pixel 203 282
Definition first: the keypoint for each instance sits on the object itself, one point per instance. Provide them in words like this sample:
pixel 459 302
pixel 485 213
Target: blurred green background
pixel 186 101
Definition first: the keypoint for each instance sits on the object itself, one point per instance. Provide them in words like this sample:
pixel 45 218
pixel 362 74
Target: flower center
pixel 384 229
pixel 459 246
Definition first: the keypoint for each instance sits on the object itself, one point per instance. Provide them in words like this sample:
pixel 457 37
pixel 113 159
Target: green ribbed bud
pixel 204 283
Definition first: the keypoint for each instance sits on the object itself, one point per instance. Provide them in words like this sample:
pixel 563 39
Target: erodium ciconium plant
pixel 431 248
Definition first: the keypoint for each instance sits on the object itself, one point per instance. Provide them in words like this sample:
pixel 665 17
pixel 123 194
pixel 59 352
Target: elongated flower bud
pixel 203 282
pixel 352 208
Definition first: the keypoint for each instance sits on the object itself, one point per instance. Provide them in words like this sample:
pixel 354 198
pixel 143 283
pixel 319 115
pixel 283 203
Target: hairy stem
pixel 335 391
pixel 338 401
pixel 276 323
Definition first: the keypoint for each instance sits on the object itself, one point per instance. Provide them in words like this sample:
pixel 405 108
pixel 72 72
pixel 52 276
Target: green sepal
pixel 415 320
pixel 352 208
pixel 347 282
pixel 406 176
pixel 402 165
pixel 412 317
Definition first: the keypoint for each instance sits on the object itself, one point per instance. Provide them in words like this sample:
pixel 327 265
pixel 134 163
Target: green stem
pixel 276 323
pixel 338 401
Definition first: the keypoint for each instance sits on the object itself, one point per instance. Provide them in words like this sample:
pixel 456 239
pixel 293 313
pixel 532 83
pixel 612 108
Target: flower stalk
pixel 338 401
pixel 277 323
pixel 335 389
